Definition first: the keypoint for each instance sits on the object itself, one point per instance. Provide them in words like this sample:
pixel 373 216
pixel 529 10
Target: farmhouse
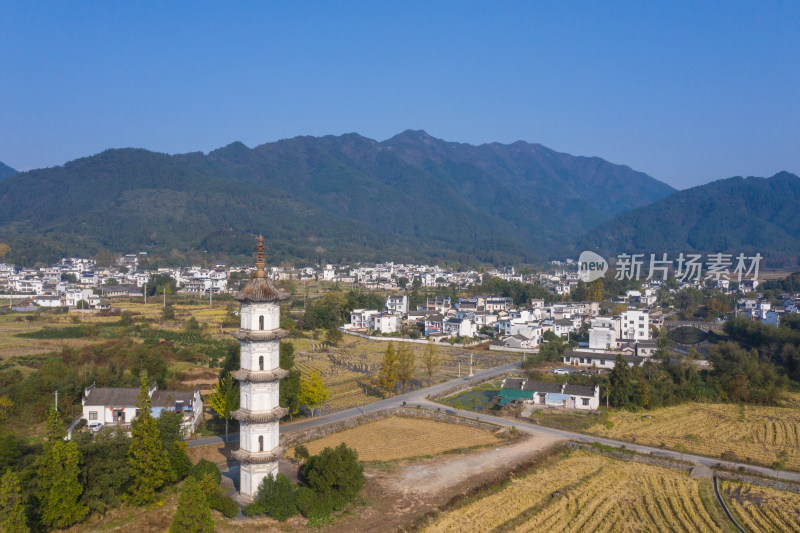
pixel 556 395
pixel 116 406
pixel 599 359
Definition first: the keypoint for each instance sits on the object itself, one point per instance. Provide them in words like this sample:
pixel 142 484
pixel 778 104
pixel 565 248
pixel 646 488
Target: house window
pixel 261 322
pixel 261 362
pixel 179 406
pixel 585 401
pixel 261 443
pixel 92 415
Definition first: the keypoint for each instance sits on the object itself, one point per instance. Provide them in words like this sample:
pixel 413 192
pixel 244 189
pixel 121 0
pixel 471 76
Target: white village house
pixel 116 406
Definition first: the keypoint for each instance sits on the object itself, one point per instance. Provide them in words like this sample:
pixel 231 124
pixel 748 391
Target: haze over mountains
pixel 350 198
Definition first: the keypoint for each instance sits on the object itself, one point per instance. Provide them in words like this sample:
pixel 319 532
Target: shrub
pixel 223 504
pixel 336 473
pixel 276 498
pixel 316 508
pixel 204 466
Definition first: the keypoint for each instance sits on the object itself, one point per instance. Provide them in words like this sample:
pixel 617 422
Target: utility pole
pixel 470 366
pixel 56 400
pixel 210 301
pixel 145 294
pixel 459 370
pixel 165 295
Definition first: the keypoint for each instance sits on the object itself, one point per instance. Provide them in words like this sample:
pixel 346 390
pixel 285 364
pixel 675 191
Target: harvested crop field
pixel 762 509
pixel 580 491
pixel 753 434
pixel 400 437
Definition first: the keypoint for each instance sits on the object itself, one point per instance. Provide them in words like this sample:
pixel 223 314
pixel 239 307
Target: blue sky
pixel 687 92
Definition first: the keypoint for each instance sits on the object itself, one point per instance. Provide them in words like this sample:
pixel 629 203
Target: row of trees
pixel 330 481
pixel 399 366
pixel 736 375
pixel 60 482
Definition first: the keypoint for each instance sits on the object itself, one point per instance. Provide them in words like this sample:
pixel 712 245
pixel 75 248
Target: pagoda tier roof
pixel 259 417
pixel 259 457
pixel 259 376
pixel 259 335
pixel 260 288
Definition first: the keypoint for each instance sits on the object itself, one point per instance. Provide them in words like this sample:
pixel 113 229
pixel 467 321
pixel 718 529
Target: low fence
pixel 496 348
pixel 403 339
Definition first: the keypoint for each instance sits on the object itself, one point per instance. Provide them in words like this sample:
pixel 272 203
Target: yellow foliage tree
pixel 313 391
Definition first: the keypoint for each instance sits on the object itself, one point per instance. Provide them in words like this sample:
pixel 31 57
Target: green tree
pixel 150 468
pixel 580 293
pixel 333 336
pixel 313 391
pixel 193 514
pixel 335 473
pixel 12 508
pixel 276 498
pixel 621 383
pixel 168 312
pixel 59 486
pixel 387 376
pixel 224 399
pixel 405 364
pixel 430 360
pixel 105 473
pixel 290 385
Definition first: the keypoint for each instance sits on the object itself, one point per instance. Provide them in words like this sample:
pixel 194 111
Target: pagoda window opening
pixel 261 443
pixel 261 322
pixel 261 362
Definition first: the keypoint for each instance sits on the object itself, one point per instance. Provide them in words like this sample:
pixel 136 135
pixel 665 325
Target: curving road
pixel 420 397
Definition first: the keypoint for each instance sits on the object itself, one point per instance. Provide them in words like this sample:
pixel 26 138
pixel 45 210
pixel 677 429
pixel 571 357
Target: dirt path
pixel 407 491
pixel 443 473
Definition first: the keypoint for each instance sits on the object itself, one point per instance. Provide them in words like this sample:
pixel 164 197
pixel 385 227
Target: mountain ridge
pixel 733 215
pixel 345 197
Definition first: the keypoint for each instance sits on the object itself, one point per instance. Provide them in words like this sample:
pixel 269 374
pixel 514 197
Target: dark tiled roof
pixel 579 390
pixel 513 383
pixel 112 396
pixel 539 386
pixel 167 398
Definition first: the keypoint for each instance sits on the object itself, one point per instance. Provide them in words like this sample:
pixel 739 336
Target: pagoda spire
pixel 261 258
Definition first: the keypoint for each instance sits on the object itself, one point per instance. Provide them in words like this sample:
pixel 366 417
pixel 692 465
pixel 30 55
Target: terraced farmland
pixel 752 434
pixel 762 509
pixel 400 437
pixel 588 492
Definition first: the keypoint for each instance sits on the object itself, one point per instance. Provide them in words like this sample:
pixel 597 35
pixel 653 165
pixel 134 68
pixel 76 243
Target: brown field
pixel 587 492
pixel 753 434
pixel 398 437
pixel 762 509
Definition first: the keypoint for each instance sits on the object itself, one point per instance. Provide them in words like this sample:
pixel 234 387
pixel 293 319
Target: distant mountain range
pixel 6 171
pixel 345 198
pixel 731 215
pixel 410 198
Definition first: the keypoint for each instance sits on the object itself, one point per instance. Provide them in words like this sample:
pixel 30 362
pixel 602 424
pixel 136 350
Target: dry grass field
pixel 762 509
pixel 588 492
pixel 399 437
pixel 753 434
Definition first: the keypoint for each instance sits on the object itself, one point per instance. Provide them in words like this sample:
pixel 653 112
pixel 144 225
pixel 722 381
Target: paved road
pixel 411 398
pixel 419 397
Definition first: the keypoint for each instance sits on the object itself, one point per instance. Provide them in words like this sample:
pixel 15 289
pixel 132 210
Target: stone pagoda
pixel 259 378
